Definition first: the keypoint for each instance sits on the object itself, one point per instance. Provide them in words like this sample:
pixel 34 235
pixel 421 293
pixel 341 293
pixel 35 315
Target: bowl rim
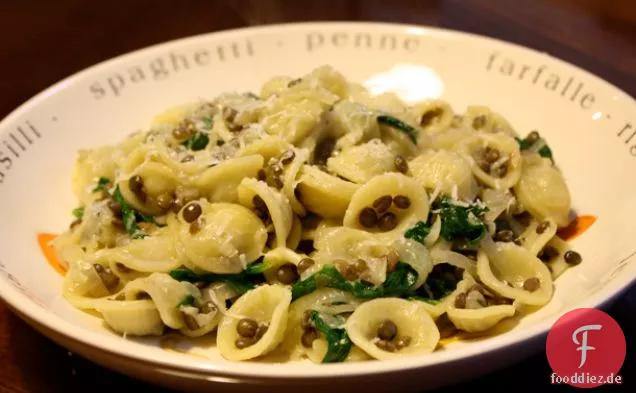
pixel 114 345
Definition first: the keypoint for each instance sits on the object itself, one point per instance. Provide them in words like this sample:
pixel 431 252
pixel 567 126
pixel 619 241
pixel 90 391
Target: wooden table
pixel 44 41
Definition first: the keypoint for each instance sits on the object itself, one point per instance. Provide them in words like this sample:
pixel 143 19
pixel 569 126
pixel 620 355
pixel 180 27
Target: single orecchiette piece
pixel 447 172
pixel 219 183
pixel 274 86
pixel 450 139
pixel 537 234
pixel 328 78
pixel 434 116
pixel 514 272
pixel 134 317
pixel 360 164
pixel 388 102
pixel 472 308
pixel 543 191
pixel 495 159
pixel 316 187
pixel 166 293
pixel 290 180
pixel 157 179
pixel 408 203
pixel 351 249
pixel 390 328
pixel 354 121
pixel 267 306
pixel 482 118
pixel 268 202
pixel 222 238
pixel 268 147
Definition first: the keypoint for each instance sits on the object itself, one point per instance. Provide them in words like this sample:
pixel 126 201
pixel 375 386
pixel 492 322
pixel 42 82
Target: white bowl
pixel 586 121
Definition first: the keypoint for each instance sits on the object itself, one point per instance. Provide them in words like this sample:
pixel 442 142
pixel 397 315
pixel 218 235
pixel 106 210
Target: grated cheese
pixel 435 193
pixel 454 192
pixel 500 162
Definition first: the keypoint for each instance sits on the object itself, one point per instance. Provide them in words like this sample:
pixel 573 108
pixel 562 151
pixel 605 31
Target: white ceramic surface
pixel 590 125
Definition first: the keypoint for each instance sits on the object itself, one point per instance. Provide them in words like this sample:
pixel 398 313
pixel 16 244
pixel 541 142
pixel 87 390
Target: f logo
pixel 584 342
pixel 584 347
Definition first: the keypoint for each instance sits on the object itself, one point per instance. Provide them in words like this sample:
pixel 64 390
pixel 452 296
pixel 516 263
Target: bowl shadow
pixel 36 364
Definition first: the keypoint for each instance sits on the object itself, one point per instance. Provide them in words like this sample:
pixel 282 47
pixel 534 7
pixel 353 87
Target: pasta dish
pixel 315 220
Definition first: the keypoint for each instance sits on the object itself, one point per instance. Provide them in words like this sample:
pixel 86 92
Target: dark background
pixel 42 42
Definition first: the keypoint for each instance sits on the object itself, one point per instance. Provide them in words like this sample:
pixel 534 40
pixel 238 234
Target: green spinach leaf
pixel 461 222
pixel 257 268
pixel 523 143
pixel 241 282
pixel 546 152
pixel 418 232
pixel 129 216
pixel 187 301
pixel 102 184
pixel 78 212
pixel 327 277
pixel 184 274
pixel 398 124
pixel 397 283
pixel 338 342
pixel 198 141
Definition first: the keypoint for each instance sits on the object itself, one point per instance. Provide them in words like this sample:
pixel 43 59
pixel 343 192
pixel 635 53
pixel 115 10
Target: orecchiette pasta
pixel 136 317
pixel 447 172
pixel 396 219
pixel 375 325
pixel 315 220
pixel 316 186
pixel 471 307
pixel 268 201
pixel 482 118
pixel 361 163
pixel 266 306
pixel 435 116
pixel 500 170
pixel 542 190
pixel 222 239
pixel 516 273
pixel 301 341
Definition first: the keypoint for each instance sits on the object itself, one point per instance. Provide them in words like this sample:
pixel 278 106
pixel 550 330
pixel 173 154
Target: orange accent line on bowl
pixel 577 227
pixel 44 240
